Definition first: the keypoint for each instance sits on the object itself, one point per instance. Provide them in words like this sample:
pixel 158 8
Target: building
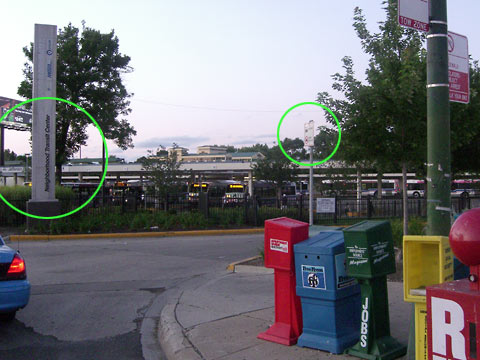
pixel 211 153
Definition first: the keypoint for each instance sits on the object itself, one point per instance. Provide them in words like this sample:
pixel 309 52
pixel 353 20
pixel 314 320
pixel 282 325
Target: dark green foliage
pixel 164 172
pixel 416 226
pixel 275 168
pixel 383 121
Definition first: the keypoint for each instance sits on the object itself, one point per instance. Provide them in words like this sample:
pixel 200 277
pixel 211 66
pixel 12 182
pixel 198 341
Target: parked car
pixel 14 286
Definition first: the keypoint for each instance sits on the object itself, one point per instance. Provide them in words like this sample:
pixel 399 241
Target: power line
pixel 185 106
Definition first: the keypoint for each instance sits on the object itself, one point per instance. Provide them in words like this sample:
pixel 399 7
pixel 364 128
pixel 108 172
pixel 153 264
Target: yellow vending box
pixel 427 260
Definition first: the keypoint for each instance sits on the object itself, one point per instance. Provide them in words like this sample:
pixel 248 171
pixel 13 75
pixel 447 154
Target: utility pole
pixel 438 122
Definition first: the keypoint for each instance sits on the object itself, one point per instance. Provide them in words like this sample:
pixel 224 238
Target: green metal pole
pixel 438 122
pixel 438 133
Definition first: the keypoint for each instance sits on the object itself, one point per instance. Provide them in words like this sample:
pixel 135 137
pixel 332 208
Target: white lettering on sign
pixel 279 245
pixel 441 328
pixel 364 325
pixel 413 14
pixel 458 68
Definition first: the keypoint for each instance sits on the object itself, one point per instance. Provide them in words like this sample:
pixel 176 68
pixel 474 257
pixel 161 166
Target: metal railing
pixel 244 211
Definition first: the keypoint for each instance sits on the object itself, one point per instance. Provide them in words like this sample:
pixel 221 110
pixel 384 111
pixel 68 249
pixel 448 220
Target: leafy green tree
pixel 11 155
pixel 384 120
pixel 89 73
pixel 295 148
pixel 276 169
pixel 261 148
pixel 325 141
pixel 164 172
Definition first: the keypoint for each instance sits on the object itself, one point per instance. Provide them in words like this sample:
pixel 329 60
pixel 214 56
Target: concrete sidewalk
pixel 222 318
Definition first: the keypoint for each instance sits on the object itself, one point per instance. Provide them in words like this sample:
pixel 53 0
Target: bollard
pixel 280 236
pixel 370 257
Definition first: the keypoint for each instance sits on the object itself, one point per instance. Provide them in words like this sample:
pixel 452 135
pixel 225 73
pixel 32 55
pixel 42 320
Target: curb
pixel 136 235
pixel 238 267
pixel 173 341
pixel 252 269
pixel 231 267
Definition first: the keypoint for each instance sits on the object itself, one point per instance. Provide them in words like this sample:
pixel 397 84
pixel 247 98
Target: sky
pixel 212 71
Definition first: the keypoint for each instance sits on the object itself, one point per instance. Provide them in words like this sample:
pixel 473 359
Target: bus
pixel 339 187
pixel 194 189
pixel 230 191
pixel 83 189
pixel 465 188
pixel 348 188
pixel 390 188
pixel 415 188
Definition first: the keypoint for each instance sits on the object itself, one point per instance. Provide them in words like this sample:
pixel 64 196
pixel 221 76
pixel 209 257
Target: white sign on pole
pixel 309 133
pixel 458 68
pixel 413 14
pixel 325 205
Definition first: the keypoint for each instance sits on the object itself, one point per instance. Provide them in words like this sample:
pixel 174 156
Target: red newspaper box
pixel 453 311
pixel 280 236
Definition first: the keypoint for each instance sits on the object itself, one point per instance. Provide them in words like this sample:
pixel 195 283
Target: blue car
pixel 14 286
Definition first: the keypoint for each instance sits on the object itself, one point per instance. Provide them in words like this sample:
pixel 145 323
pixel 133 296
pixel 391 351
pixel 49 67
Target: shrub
pixel 140 221
pixel 416 226
pixel 192 221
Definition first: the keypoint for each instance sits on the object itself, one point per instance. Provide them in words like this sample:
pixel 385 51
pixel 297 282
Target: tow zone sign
pixel 413 14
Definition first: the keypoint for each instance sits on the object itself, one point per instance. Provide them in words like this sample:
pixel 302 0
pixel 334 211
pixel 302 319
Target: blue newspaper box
pixel 330 299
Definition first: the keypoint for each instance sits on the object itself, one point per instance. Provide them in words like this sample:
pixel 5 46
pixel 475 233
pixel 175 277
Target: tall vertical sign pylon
pixel 43 202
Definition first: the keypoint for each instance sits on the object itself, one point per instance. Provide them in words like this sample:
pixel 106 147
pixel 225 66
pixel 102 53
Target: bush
pixel 416 226
pixel 140 221
pixel 192 221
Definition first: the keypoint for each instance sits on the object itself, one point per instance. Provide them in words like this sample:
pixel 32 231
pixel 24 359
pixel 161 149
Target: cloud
pixel 252 140
pixel 184 141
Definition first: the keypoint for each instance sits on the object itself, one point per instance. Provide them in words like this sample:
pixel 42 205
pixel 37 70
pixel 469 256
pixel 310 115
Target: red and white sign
pixel 413 14
pixel 458 68
pixel 453 321
pixel 309 133
pixel 279 245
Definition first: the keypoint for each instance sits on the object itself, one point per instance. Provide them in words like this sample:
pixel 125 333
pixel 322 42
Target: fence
pixel 249 210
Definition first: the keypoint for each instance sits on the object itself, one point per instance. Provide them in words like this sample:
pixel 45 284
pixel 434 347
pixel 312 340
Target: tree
pixel 295 148
pixel 276 169
pixel 164 172
pixel 11 155
pixel 324 142
pixel 384 121
pixel 261 148
pixel 89 73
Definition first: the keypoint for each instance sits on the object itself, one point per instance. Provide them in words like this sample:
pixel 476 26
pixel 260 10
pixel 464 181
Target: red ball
pixel 465 237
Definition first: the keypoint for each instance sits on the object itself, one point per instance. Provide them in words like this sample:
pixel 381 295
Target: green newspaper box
pixel 370 258
pixel 369 249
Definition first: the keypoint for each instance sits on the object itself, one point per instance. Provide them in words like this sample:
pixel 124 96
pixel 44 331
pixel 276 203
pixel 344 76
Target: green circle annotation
pixel 334 150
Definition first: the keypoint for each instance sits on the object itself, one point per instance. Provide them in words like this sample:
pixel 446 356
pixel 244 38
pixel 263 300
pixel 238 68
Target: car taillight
pixel 17 268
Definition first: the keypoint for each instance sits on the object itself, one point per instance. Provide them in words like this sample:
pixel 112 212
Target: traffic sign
pixel 309 134
pixel 413 14
pixel 458 68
